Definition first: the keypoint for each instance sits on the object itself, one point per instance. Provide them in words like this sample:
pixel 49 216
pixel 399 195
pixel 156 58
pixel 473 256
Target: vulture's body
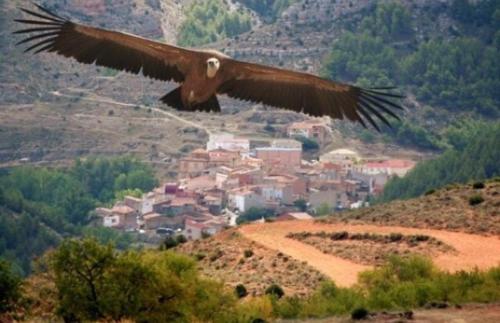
pixel 203 75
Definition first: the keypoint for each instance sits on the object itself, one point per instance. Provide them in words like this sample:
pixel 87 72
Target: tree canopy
pixel 458 73
pixel 473 155
pixel 39 206
pixel 210 20
pixel 94 282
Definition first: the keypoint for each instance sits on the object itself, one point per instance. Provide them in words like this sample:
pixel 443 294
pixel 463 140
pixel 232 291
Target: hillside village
pixel 235 177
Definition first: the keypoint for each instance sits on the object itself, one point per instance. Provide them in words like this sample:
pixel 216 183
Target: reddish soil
pixel 471 250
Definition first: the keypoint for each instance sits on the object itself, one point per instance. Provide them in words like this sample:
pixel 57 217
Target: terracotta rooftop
pixel 122 209
pixel 150 216
pixel 181 201
pixel 195 224
pixel 300 215
pixel 391 163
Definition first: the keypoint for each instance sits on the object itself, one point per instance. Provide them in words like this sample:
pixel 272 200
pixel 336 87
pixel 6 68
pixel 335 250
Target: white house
pixel 390 167
pixel 279 192
pixel 244 199
pixel 229 142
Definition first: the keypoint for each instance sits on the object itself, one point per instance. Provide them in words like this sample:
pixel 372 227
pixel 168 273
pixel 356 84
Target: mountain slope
pixel 300 35
pixel 456 207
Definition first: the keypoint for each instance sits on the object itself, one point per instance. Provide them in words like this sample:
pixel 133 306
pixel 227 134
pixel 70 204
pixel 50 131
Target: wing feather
pixel 111 49
pixel 302 92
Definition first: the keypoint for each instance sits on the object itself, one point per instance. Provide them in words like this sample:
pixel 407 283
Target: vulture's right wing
pixel 115 50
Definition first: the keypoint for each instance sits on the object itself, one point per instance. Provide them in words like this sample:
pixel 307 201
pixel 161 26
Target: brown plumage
pixel 204 74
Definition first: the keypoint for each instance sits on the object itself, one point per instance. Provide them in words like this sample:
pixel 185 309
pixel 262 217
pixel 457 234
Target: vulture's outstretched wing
pixel 307 93
pixel 116 50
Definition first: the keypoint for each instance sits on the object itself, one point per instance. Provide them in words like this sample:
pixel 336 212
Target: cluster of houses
pixel 232 175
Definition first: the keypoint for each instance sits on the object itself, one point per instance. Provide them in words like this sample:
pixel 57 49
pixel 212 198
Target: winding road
pixel 100 99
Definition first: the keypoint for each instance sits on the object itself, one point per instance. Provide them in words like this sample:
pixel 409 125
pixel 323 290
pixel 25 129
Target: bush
pixel 9 287
pixel 170 242
pixel 359 313
pixel 216 255
pixel 478 185
pixel 240 291
pixel 430 192
pixel 339 235
pixel 476 199
pixel 307 144
pixel 394 237
pixel 255 213
pixel 248 253
pixel 200 256
pixel 95 284
pixel 275 290
pixel 301 204
pixel 181 239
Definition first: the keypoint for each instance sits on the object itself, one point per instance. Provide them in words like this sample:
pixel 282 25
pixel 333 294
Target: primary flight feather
pixel 204 74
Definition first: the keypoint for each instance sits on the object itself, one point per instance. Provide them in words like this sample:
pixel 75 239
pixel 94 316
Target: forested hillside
pixel 268 9
pixel 210 20
pixel 454 72
pixel 39 206
pixel 474 155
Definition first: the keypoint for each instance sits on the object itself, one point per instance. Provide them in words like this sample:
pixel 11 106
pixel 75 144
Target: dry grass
pixel 446 209
pixel 372 249
pixel 223 257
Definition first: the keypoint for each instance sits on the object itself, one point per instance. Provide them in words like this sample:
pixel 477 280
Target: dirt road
pixel 471 250
pixel 100 99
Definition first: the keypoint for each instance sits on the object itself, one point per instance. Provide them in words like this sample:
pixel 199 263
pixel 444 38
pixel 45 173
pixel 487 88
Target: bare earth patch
pixel 471 251
pixel 369 248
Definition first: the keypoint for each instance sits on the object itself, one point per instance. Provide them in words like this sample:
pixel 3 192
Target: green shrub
pixel 289 307
pixel 478 185
pixel 200 256
pixel 430 192
pixel 170 242
pixel 275 290
pixel 9 287
pixel 359 313
pixel 394 237
pixel 95 283
pixel 181 239
pixel 339 235
pixel 476 199
pixel 240 291
pixel 248 253
pixel 216 255
pixel 307 144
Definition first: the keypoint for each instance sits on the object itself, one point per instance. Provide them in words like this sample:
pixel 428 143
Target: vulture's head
pixel 213 65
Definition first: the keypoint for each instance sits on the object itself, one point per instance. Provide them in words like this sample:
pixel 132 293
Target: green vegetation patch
pixel 38 206
pixel 268 9
pixel 93 282
pixel 210 20
pixel 474 155
pixel 458 73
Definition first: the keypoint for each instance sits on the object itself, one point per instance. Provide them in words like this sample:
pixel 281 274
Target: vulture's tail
pixel 173 99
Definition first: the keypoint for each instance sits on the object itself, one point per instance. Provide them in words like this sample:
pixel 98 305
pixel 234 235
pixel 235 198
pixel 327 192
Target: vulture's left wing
pixel 105 48
pixel 302 92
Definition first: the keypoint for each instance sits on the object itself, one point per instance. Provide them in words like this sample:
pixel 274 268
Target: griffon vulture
pixel 205 74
